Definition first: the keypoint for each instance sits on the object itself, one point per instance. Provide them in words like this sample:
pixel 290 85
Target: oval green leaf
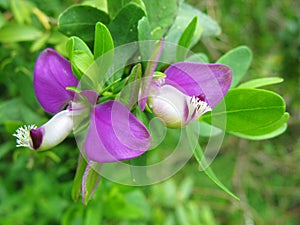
pixel 161 14
pixel 80 56
pixel 273 134
pixel 144 30
pixel 198 57
pixel 247 110
pixel 144 33
pixel 103 40
pixel 80 20
pixel 124 26
pixel 185 14
pixel 266 132
pixel 239 60
pixel 115 6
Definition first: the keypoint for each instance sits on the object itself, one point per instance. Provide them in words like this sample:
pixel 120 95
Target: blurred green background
pixel 35 188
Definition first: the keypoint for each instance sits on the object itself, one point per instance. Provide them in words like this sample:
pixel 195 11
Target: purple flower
pixel 187 91
pixel 52 75
pixel 48 135
pixel 114 133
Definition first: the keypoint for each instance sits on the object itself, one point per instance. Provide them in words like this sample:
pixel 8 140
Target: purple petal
pixel 52 74
pixel 115 134
pixel 147 79
pixel 196 79
pixel 36 137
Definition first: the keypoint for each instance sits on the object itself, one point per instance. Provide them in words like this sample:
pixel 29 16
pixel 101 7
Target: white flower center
pixel 175 108
pixel 23 136
pixel 196 108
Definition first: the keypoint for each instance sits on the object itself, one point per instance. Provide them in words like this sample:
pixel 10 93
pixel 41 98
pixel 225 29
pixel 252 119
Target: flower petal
pixel 169 104
pixel 115 134
pixel 52 74
pixel 53 132
pixel 194 79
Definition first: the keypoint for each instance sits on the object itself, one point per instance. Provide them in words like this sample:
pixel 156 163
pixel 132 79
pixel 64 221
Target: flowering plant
pixel 126 67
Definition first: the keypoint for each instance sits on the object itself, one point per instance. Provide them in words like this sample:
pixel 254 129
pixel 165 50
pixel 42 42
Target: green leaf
pixel 239 60
pixel 187 35
pixel 273 134
pixel 198 57
pixel 161 14
pixel 144 34
pixel 247 110
pixel 129 94
pixel 17 32
pixel 199 156
pixel 102 4
pixel 115 6
pixel 123 28
pixel 144 29
pixel 103 40
pixel 266 132
pixel 80 56
pixel 260 82
pixel 76 186
pixel 185 14
pixel 185 40
pixel 103 49
pixel 80 20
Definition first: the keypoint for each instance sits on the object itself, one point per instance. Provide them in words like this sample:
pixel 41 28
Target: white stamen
pixel 197 108
pixel 23 135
